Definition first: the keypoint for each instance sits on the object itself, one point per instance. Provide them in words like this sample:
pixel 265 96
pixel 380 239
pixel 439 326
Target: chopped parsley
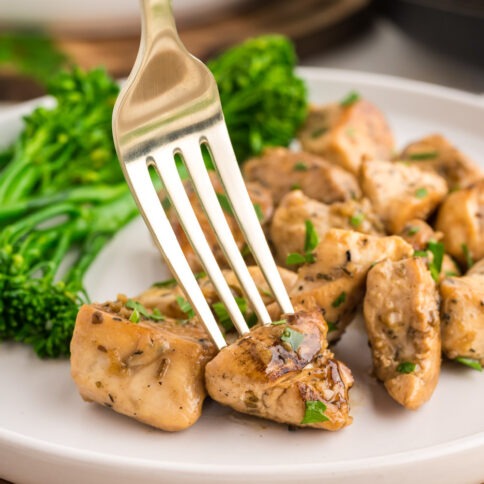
pixel 258 211
pixel 155 315
pixel 451 274
pixel 339 300
pixel 314 412
pixel 185 307
pixel 350 99
pixel 420 253
pixel 245 251
pixel 311 241
pixel 470 362
pixel 277 323
pixel 332 326
pixel 293 337
pixel 406 367
pixel 467 255
pixel 435 265
pixel 223 315
pixel 168 283
pixel 413 229
pixel 225 204
pixel 357 219
pixel 318 132
pixel 424 155
pixel 421 192
pixel 295 186
pixel 134 318
pixel 300 166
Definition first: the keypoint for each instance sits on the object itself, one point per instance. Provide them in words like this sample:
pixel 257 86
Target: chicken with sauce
pixel 347 133
pixel 402 320
pixel 278 371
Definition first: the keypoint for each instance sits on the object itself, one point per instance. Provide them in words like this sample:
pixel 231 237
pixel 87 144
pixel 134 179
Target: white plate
pixel 49 435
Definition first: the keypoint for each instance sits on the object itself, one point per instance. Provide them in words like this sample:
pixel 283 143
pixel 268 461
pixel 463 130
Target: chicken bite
pixel 435 153
pixel 152 372
pixel 281 170
pixel 288 226
pixel 347 134
pixel 280 370
pixel 461 220
pixel 462 313
pixel 402 320
pixel 335 282
pixel 400 193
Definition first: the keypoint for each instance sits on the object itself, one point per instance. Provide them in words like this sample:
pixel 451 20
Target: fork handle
pixel 157 18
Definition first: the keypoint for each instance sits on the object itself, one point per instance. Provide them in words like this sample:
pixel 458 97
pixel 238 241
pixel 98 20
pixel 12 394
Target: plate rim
pixel 39 447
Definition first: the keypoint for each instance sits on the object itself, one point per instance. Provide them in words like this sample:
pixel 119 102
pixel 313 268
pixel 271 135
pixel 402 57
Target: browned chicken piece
pixel 400 193
pixel 165 298
pixel 461 220
pixel 462 313
pixel 281 170
pixel 402 320
pixel 335 282
pixel 260 197
pixel 347 135
pixel 288 226
pixel 419 233
pixel 278 371
pixel 435 153
pixel 153 372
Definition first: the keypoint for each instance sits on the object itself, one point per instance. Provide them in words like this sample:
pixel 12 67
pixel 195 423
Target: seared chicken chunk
pixel 288 226
pixel 435 153
pixel 150 371
pixel 281 170
pixel 274 371
pixel 461 220
pixel 347 135
pixel 462 313
pixel 335 282
pixel 400 193
pixel 402 320
pixel 165 298
pixel 260 197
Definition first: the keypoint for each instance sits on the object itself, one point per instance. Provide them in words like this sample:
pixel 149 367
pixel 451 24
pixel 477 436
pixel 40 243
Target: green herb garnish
pixel 424 155
pixel 357 219
pixel 332 326
pixel 314 412
pixel 467 255
pixel 295 259
pixel 451 274
pixel 134 318
pixel 406 367
pixel 435 265
pixel 470 362
pixel 339 300
pixel 168 283
pixel 350 99
pixel 185 307
pixel 421 192
pixel 318 132
pixel 292 337
pixel 311 241
pixel 277 323
pixel 414 229
pixel 139 308
pixel 295 186
pixel 225 204
pixel 223 315
pixel 300 166
pixel 420 253
pixel 258 211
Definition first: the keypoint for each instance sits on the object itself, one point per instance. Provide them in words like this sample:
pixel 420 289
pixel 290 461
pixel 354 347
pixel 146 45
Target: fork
pixel 170 106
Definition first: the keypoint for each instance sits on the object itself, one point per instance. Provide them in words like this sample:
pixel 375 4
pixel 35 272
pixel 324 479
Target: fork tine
pixel 203 186
pixel 165 164
pixel 138 177
pixel 223 155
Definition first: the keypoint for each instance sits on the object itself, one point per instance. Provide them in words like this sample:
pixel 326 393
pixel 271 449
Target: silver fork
pixel 170 105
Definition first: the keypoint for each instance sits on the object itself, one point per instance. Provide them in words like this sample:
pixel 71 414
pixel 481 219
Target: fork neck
pixel 157 17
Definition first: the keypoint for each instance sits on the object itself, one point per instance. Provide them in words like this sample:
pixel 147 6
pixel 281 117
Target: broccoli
pixel 62 192
pixel 263 100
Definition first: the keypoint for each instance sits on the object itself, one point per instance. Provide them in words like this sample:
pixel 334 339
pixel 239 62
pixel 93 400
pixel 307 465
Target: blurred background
pixel 439 41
